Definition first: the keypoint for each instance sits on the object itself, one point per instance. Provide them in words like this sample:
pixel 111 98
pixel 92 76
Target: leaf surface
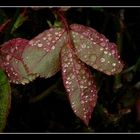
pixel 95 49
pixel 42 53
pixel 79 83
pixel 11 61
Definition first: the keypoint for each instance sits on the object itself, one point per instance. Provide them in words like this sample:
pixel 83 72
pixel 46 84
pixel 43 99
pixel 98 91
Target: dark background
pixel 118 106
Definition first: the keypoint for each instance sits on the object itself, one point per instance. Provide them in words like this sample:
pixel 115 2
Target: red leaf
pixel 41 55
pixel 79 84
pixel 12 63
pixel 95 49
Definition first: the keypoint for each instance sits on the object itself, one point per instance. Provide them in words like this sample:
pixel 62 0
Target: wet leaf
pixel 79 84
pixel 95 50
pixel 41 55
pixel 12 63
pixel 5 99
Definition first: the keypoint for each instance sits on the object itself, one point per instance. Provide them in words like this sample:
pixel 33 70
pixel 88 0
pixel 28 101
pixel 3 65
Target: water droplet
pixel 69 55
pixel 114 64
pixel 84 77
pixel 82 102
pixel 53 47
pixel 85 56
pixel 72 77
pixel 113 70
pixel 101 39
pixel 83 46
pixel 85 116
pixel 105 52
pixel 40 45
pixel 102 59
pixel 8 57
pixel 102 44
pixel 12 50
pixel 113 51
pixel 64 70
pixel 44 38
pixel 95 66
pixel 65 65
pixel 89 83
pixel 11 69
pixel 56 33
pixel 67 82
pixel 101 49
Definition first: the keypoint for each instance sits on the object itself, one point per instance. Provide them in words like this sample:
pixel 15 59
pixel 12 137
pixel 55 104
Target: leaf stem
pixel 45 93
pixel 66 26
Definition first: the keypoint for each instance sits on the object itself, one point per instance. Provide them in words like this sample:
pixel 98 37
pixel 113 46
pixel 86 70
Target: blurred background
pixel 43 106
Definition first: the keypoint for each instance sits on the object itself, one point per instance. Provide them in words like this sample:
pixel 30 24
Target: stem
pixel 66 26
pixel 45 93
pixel 117 80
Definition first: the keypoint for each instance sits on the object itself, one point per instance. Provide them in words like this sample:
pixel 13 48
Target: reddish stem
pixel 3 26
pixel 66 26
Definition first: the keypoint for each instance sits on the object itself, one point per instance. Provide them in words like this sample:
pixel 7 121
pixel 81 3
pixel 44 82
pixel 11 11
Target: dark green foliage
pixel 5 99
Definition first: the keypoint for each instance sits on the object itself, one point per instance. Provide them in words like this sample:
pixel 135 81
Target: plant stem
pixel 45 93
pixel 66 26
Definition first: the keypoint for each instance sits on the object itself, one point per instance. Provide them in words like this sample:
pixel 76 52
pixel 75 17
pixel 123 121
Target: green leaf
pixel 19 21
pixel 5 99
pixel 41 55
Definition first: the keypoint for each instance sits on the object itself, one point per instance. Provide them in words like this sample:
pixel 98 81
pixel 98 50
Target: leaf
pixel 4 25
pixel 41 55
pixel 5 99
pixel 19 21
pixel 12 63
pixel 79 84
pixel 95 49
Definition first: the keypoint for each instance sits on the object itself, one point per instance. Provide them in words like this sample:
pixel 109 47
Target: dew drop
pixel 114 64
pixel 105 52
pixel 44 38
pixel 8 57
pixel 64 70
pixel 53 47
pixel 102 44
pixel 101 49
pixel 40 45
pixel 56 33
pixel 85 56
pixel 102 59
